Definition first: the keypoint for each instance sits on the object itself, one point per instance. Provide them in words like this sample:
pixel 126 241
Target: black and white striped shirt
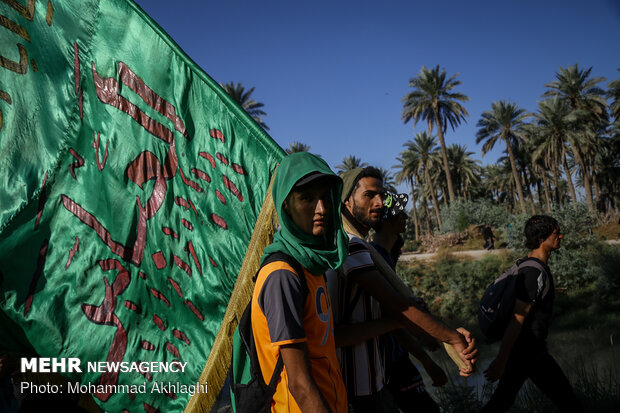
pixel 362 365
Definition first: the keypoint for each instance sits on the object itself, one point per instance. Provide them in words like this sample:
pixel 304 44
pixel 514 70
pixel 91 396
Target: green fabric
pixel 349 178
pixel 130 184
pixel 313 253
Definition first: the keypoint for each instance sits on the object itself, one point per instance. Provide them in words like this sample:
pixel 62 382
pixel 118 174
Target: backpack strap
pixel 281 256
pixel 526 262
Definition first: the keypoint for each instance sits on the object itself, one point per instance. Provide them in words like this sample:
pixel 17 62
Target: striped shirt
pixel 362 365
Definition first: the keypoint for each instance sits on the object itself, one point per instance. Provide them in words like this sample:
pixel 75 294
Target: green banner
pixel 130 184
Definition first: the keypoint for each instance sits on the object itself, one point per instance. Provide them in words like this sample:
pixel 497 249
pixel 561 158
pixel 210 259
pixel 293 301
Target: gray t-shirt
pixel 281 300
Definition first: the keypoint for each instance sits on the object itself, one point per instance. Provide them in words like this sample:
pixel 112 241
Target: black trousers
pixel 530 359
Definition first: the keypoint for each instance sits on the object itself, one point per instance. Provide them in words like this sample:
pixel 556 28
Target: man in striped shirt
pixel 360 293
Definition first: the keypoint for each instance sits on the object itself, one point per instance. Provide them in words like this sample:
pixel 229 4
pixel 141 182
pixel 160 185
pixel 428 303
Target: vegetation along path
pixel 475 254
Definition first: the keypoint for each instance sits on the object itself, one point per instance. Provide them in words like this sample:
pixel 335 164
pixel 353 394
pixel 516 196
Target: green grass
pixel 586 344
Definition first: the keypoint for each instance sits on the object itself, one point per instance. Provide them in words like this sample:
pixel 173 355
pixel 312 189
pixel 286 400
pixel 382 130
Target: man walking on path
pixel 291 313
pixel 523 352
pixel 487 233
pixel 362 293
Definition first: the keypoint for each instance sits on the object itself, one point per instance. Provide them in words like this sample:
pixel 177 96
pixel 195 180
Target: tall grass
pixel 597 387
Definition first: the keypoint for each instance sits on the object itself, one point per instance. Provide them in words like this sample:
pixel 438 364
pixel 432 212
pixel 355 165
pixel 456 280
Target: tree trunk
pixel 515 175
pixel 569 179
pixel 586 176
pixel 556 182
pixel 529 188
pixel 539 192
pixel 428 217
pixel 545 186
pixel 416 224
pixel 597 190
pixel 425 202
pixel 433 196
pixel 445 198
pixel 444 155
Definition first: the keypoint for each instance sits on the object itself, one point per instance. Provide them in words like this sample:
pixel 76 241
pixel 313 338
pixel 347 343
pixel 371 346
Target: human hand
pixel 470 352
pixel 456 349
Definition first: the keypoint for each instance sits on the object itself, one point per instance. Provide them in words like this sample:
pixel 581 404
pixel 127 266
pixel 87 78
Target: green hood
pixel 316 254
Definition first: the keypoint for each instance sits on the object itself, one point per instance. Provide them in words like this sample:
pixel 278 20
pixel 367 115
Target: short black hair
pixel 538 228
pixel 367 172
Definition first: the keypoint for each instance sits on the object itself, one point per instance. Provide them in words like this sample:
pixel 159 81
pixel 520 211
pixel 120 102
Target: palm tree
pixel 349 163
pixel 582 93
pixel 407 171
pixel 491 179
pixel 388 180
pixel 523 161
pixel 504 121
pixel 434 101
pixel 614 94
pixel 425 147
pixel 242 97
pixel 555 128
pixel 297 147
pixel 541 171
pixel 464 168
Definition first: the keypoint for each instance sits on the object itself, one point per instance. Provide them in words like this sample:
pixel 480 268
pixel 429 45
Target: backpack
pixel 248 389
pixel 497 303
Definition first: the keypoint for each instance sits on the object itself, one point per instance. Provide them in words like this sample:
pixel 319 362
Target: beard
pixel 363 218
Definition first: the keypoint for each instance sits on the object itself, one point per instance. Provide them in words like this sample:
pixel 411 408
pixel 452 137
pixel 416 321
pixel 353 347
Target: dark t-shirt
pixel 536 287
pixel 487 233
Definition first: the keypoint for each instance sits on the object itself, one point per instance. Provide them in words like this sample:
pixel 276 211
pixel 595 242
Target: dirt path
pixel 475 254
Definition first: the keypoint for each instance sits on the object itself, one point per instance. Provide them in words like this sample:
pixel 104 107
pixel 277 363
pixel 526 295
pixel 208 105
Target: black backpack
pixel 497 303
pixel 255 396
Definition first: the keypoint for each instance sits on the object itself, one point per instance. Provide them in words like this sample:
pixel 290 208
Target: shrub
pixel 608 278
pixel 460 215
pixel 453 288
pixel 412 245
pixel 573 220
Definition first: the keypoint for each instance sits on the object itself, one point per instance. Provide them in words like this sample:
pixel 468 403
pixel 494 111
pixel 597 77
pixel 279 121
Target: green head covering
pixel 349 179
pixel 316 254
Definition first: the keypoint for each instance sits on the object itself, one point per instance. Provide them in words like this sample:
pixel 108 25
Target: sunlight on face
pixel 309 207
pixel 366 201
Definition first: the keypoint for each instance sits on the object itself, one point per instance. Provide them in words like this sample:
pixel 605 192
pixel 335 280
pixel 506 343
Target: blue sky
pixel 332 73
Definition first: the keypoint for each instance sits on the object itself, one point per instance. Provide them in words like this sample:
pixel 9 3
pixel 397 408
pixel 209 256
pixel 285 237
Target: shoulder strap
pixel 280 256
pixel 531 263
pixel 535 264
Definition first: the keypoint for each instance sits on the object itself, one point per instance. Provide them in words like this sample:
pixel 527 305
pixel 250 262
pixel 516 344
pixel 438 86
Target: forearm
pixel 421 321
pixel 404 309
pixel 410 344
pixel 308 397
pixel 513 329
pixel 352 334
pixel 301 384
